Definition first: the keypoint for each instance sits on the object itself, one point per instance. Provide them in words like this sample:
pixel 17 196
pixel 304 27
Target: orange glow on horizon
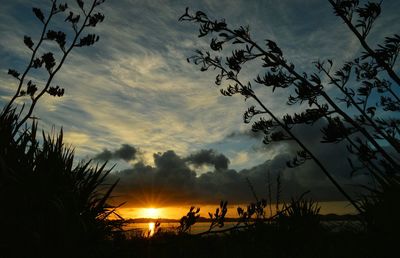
pixel 176 212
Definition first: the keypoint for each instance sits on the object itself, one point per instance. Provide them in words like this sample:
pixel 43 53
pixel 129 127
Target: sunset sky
pixel 134 100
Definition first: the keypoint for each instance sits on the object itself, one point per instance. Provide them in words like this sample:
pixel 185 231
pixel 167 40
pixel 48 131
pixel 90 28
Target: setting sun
pixel 151 213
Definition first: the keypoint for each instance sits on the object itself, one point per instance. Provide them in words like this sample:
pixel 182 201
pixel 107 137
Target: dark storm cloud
pixel 126 152
pixel 171 181
pixel 208 157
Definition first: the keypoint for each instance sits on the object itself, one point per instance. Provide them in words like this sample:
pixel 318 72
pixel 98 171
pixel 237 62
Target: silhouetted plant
pixel 51 203
pixel 254 212
pixel 254 208
pixel 378 206
pixel 253 217
pixel 186 222
pixel 300 215
pixel 364 132
pixel 218 218
pixel 157 227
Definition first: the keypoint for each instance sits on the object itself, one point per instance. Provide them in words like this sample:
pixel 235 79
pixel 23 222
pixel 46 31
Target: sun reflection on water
pixel 152 227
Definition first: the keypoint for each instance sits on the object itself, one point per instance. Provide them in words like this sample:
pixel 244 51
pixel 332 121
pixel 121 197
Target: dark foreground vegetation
pixel 258 241
pixel 52 207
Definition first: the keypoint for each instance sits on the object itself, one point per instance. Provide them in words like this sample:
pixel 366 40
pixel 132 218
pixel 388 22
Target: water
pixel 147 229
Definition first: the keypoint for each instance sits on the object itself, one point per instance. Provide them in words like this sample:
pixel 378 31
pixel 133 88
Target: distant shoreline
pixel 327 217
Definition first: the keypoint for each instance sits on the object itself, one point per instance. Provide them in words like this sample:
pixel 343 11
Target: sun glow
pixel 152 213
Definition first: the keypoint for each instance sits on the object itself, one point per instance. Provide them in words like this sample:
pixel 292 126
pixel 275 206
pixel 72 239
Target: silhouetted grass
pixel 300 215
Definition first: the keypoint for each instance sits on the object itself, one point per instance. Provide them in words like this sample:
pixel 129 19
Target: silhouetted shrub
pixel 300 215
pixel 48 202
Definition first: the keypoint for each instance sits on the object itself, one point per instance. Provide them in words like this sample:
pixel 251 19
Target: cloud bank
pixel 175 180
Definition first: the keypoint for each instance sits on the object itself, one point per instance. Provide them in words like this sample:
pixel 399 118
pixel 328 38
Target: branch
pixel 291 70
pixel 7 108
pixel 362 112
pixel 53 73
pixel 365 45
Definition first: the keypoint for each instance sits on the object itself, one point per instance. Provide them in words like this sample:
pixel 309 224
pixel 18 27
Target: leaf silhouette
pixel 28 42
pixel 39 14
pixel 13 73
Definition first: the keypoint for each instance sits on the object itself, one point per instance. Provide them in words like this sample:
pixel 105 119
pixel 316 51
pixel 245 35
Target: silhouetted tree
pixel 367 127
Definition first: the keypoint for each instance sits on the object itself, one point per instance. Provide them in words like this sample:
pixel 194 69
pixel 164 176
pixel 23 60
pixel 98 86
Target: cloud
pixel 125 152
pixel 245 133
pixel 76 138
pixel 171 181
pixel 241 157
pixel 208 157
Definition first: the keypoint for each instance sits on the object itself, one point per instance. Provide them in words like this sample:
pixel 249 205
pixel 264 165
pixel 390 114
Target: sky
pixel 134 100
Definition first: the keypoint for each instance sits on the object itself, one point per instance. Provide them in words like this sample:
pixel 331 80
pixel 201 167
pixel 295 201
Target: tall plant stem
pixel 316 160
pixel 53 73
pixel 296 139
pixel 29 66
